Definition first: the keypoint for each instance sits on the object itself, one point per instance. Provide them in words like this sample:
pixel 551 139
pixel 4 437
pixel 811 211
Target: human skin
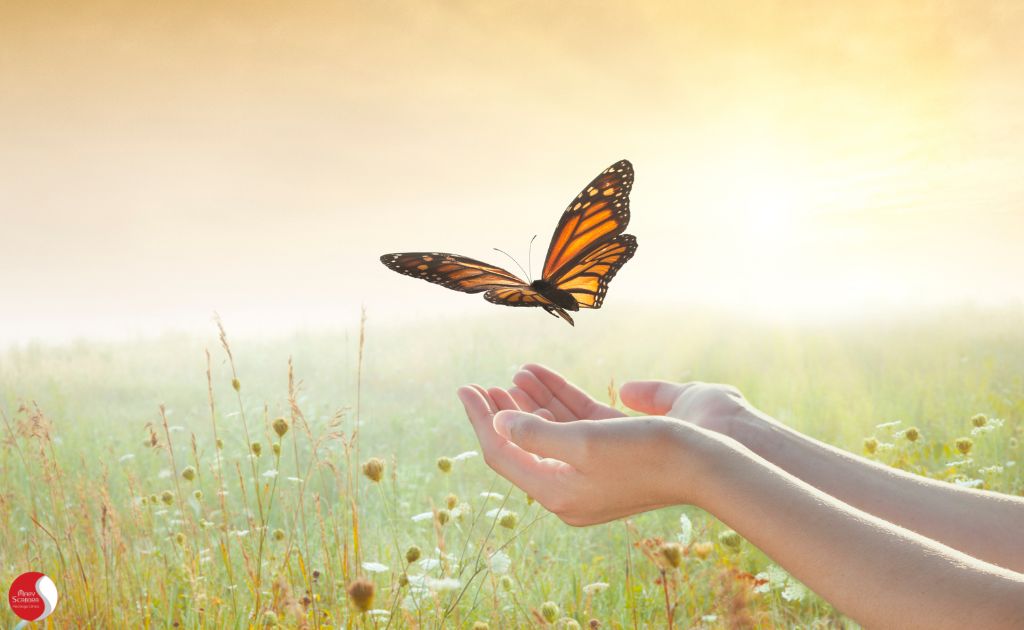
pixel 887 548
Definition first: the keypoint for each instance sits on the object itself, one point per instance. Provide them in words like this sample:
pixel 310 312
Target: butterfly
pixel 587 249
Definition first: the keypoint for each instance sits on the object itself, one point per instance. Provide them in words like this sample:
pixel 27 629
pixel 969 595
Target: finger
pixel 557 440
pixel 506 458
pixel 544 413
pixel 581 404
pixel 528 382
pixel 524 400
pixel 652 397
pixel 502 399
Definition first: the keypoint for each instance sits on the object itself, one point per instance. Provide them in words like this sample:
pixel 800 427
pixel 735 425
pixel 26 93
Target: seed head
pixel 1013 443
pixel 412 554
pixel 871 445
pixel 403 580
pixel 451 501
pixel 481 625
pixel 509 520
pixel 444 464
pixel 912 434
pixel 257 448
pixel 702 549
pixel 443 516
pixel 964 445
pixel 153 499
pixel 280 426
pixel 505 582
pixel 360 592
pixel 198 494
pixel 549 610
pixel 236 384
pixel 672 554
pixel 179 538
pixel 979 419
pixel 373 468
pixel 220 444
pixel 270 619
pixel 167 497
pixel 278 534
pixel 276 447
pixel 730 539
pixel 189 473
pixel 570 624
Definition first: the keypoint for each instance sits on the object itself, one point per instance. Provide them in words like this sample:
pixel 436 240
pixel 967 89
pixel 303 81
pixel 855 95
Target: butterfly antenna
pixel 513 260
pixel 529 259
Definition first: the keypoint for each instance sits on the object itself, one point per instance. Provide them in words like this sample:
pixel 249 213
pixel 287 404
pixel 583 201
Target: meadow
pixel 330 479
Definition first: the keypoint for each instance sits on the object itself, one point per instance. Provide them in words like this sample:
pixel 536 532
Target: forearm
pixel 985 525
pixel 868 568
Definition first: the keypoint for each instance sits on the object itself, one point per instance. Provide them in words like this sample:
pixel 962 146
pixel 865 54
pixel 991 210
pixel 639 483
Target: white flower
pixel 375 567
pixel 498 513
pixel 709 618
pixel 378 613
pixel 295 479
pixel 991 470
pixel 126 457
pixel 165 474
pixel 423 516
pixel 595 588
pixel 429 564
pixel 466 455
pixel 886 425
pixel 240 532
pixel 960 462
pixel 442 585
pixel 492 495
pixel 886 446
pixel 794 591
pixel 991 425
pixel 270 473
pixel 686 529
pixel 969 483
pixel 1011 463
pixel 500 563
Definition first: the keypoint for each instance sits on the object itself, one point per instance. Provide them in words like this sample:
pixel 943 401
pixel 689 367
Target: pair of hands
pixel 588 462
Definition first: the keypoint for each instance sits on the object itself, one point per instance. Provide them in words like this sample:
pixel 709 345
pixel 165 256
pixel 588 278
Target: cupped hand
pixel 544 392
pixel 588 471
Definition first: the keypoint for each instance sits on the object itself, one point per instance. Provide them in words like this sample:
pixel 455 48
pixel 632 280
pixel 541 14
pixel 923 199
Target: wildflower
pixel 270 474
pixel 730 539
pixel 979 419
pixel 990 470
pixel 702 549
pixel 492 495
pixel 236 384
pixel 794 591
pixel 709 618
pixel 270 618
pixel 461 510
pixel 153 499
pixel 280 426
pixel 179 538
pixel 912 434
pixel 672 554
pixel 505 582
pixel 569 623
pixel 198 494
pixel 509 520
pixel 276 447
pixel 422 516
pixel 143 500
pixel 964 445
pixel 373 468
pixel 871 445
pixel 220 444
pixel 991 424
pixel 378 613
pixel 889 425
pixel 970 483
pixel 257 448
pixel 412 554
pixel 686 529
pixel 595 588
pixel 442 585
pixel 480 625
pixel 463 456
pixel 443 516
pixel 167 497
pixel 549 610
pixel 279 534
pixel 360 592
pixel 375 567
pixel 403 580
pixel 444 464
pixel 1013 443
pixel 126 457
pixel 500 563
pixel 451 501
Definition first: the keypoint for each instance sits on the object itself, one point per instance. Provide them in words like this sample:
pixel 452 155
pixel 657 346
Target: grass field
pixel 134 484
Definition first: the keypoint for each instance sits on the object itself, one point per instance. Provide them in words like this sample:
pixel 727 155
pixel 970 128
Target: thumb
pixel 650 397
pixel 532 433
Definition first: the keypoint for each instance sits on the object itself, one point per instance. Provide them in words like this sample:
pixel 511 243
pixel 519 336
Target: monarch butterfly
pixel 587 249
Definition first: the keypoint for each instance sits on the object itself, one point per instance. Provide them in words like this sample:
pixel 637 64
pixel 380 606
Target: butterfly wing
pixel 587 277
pixel 452 271
pixel 600 212
pixel 525 296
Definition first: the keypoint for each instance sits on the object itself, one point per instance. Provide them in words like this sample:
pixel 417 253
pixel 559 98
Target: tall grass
pixel 327 480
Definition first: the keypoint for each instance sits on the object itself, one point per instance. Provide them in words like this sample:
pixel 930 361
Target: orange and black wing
pixel 598 214
pixel 453 271
pixel 587 277
pixel 525 296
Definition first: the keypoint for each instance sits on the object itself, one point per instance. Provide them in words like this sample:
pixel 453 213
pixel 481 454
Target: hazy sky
pixel 160 160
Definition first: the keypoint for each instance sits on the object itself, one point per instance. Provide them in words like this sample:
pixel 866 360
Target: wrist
pixel 697 455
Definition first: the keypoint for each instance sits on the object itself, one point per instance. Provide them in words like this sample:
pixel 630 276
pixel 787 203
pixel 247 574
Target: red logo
pixel 33 596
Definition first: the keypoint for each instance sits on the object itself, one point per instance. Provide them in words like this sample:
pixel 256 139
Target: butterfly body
pixel 586 251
